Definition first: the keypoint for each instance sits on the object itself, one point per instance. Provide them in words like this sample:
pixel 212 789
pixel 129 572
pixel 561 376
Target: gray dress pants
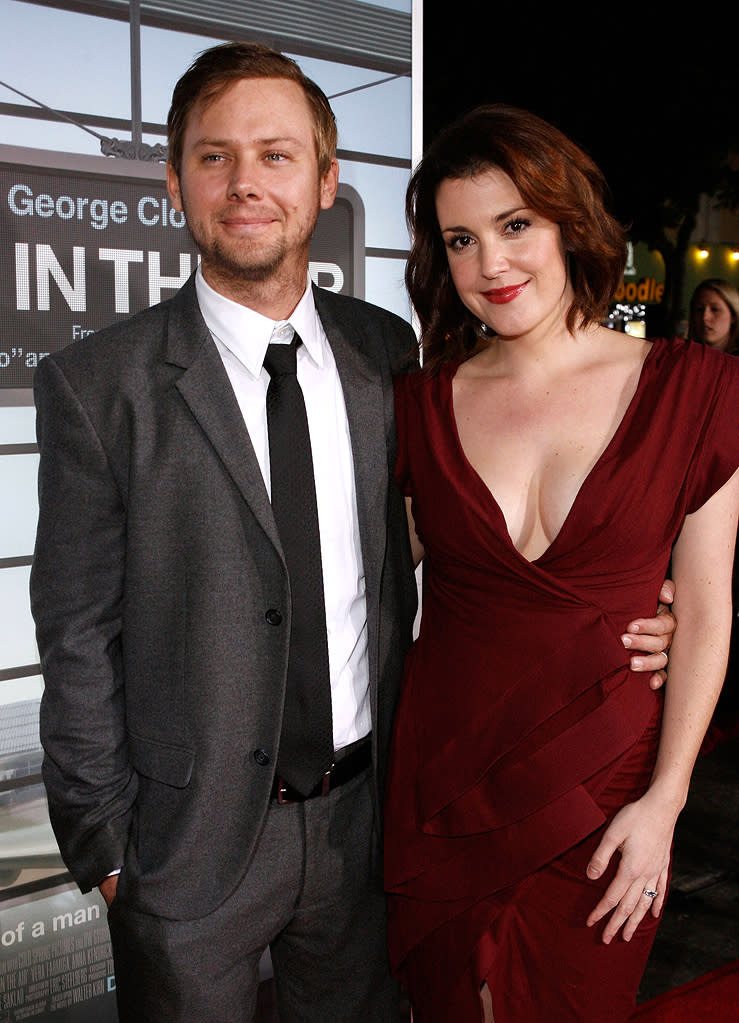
pixel 312 893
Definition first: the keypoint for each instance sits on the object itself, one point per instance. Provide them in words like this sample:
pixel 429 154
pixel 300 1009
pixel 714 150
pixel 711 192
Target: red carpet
pixel 713 998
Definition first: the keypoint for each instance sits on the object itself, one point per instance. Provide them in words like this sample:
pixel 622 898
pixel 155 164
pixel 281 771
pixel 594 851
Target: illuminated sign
pixel 645 290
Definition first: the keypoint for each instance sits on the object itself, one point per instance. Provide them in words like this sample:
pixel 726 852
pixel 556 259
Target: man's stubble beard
pixel 252 271
pixel 233 264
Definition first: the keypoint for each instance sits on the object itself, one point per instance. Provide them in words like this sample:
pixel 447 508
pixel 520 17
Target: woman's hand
pixel 642 834
pixel 651 638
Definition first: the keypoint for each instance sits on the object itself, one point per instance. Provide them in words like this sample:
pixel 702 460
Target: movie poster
pixel 56 962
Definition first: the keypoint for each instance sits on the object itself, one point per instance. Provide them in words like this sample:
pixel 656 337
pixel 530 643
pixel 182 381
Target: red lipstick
pixel 499 296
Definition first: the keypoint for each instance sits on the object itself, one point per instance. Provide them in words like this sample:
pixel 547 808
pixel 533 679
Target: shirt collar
pixel 246 333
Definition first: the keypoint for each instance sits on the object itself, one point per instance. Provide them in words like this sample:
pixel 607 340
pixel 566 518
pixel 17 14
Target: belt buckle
pixel 326 781
pixel 323 788
pixel 282 792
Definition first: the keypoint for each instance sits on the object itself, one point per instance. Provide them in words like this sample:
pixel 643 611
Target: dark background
pixel 649 91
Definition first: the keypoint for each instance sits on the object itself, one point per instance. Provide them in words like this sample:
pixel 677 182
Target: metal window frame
pixel 345 31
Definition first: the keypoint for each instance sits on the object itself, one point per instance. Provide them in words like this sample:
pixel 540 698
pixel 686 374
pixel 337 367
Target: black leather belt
pixel 341 772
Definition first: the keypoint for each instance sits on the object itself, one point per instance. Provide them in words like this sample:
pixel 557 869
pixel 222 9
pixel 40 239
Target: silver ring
pixel 664 654
pixel 651 893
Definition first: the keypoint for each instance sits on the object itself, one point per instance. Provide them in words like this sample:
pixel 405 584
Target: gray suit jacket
pixel 157 560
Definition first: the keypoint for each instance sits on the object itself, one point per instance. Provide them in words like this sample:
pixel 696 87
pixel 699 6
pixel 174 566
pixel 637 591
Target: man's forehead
pixel 254 92
pixel 272 111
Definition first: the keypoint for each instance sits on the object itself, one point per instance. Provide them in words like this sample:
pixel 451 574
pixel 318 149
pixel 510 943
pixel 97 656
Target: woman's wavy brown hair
pixel 555 178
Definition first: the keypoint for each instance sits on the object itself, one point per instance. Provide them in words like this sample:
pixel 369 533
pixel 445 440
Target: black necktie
pixel 306 743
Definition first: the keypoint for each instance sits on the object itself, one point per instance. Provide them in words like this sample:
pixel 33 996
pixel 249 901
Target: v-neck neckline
pixel 448 379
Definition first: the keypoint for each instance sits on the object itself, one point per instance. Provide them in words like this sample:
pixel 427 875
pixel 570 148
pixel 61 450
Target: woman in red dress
pixel 553 464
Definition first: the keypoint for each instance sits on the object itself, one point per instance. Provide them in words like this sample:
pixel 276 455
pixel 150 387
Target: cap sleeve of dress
pixel 717 454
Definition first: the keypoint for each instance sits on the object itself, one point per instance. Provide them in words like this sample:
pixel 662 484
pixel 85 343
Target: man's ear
pixel 329 185
pixel 173 187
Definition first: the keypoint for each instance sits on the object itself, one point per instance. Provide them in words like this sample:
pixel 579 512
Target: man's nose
pixel 244 180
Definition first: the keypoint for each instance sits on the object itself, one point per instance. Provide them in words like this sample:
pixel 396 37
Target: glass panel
pixel 18 425
pixel 17 634
pixel 15 690
pixel 17 528
pixel 376 119
pixel 85 59
pixel 404 6
pixel 86 70
pixel 382 190
pixel 165 55
pixel 64 138
pixel 385 277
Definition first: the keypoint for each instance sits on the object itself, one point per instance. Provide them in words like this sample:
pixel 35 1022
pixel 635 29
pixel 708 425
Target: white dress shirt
pixel 241 336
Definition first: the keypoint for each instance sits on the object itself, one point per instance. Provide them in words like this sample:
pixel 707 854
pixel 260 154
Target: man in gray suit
pixel 163 600
pixel 164 588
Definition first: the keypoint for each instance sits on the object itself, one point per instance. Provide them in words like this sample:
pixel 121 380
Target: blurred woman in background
pixel 714 314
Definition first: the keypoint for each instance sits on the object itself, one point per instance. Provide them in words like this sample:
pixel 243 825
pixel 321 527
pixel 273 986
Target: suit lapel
pixel 205 387
pixel 364 398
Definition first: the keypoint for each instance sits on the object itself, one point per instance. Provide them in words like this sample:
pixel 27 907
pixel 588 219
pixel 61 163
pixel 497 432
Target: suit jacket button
pixel 261 756
pixel 273 617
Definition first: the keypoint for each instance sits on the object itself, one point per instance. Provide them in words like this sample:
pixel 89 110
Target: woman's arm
pixel 416 545
pixel 642 831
